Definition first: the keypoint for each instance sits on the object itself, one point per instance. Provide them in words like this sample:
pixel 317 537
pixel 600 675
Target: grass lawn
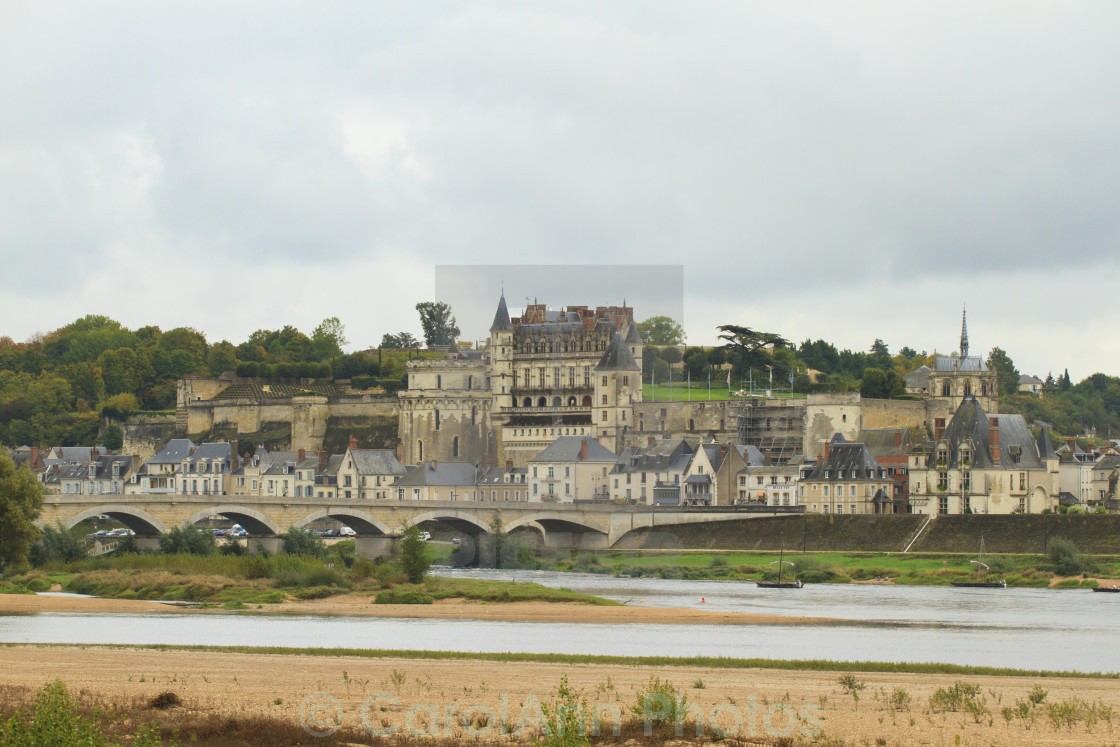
pixel 698 393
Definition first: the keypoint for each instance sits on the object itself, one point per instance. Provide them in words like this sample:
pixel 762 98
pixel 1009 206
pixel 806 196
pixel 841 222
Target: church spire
pixel 964 332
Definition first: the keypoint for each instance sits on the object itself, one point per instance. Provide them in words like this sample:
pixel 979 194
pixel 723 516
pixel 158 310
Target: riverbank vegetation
pixel 239 579
pixel 1062 566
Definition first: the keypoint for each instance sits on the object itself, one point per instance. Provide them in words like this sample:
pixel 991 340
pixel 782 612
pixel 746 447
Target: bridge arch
pixel 557 521
pixel 462 519
pixel 252 520
pixel 136 519
pixel 359 521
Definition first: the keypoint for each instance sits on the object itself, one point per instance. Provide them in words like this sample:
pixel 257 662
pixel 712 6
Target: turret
pixel 634 342
pixel 501 358
pixel 618 385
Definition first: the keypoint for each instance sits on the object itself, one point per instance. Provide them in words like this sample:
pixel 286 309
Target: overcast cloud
pixel 844 171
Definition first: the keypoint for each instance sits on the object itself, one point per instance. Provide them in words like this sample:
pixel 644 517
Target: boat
pixel 977 583
pixel 779 584
pixel 1113 589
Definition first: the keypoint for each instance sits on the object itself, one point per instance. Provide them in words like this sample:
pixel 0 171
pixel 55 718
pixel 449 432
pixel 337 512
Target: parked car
pixel 347 532
pixel 425 536
pixel 456 540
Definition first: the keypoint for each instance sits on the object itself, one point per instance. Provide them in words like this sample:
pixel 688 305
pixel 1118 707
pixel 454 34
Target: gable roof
pixel 439 474
pixel 617 357
pixel 918 378
pixel 855 459
pixel 173 452
pixel 567 449
pixel 971 425
pixel 376 462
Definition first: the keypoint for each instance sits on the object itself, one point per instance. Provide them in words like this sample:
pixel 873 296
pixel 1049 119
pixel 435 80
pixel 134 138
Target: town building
pixel 368 474
pixel 982 463
pixel 891 448
pixel 774 484
pixel 101 474
pixel 847 480
pixel 571 468
pixel 654 473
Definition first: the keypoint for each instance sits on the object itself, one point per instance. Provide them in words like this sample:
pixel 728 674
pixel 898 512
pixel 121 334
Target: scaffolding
pixel 774 426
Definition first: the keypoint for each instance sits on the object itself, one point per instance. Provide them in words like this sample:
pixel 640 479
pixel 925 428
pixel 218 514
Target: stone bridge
pixel 378 523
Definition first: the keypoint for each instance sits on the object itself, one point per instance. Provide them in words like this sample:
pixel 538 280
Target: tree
pixel 1006 374
pixel 438 323
pixel 328 338
pixel 302 542
pixel 120 406
pixel 880 354
pixel 671 355
pixel 747 347
pixel 414 555
pixel 113 439
pixel 21 499
pixel 221 358
pixel 188 541
pixel 402 341
pixel 879 384
pixel 907 352
pixel 697 364
pixel 661 330
pixel 58 544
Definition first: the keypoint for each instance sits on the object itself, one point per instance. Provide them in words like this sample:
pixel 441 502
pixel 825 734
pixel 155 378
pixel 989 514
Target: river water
pixel 1023 628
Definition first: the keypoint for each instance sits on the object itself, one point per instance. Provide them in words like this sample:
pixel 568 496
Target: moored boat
pixel 1114 589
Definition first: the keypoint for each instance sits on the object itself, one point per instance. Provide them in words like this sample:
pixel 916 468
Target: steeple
pixel 501 317
pixel 964 332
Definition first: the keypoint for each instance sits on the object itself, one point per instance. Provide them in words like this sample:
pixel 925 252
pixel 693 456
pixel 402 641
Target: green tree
pixel 747 347
pixel 58 544
pixel 671 355
pixel 303 542
pixel 659 371
pixel 697 365
pixel 188 541
pixel 120 406
pixel 414 555
pixel 221 358
pixel 661 330
pixel 328 338
pixel 402 341
pixel 21 499
pixel 880 354
pixel 438 323
pixel 1006 374
pixel 113 439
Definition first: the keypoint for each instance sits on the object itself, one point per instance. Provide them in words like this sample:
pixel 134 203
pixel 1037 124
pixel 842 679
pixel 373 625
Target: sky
pixel 845 171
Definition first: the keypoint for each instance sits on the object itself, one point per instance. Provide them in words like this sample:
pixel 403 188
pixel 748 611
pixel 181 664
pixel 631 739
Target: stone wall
pixel 895 413
pixel 144 435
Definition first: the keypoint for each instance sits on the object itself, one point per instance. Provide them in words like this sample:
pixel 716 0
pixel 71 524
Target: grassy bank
pixel 910 569
pixel 711 662
pixel 239 581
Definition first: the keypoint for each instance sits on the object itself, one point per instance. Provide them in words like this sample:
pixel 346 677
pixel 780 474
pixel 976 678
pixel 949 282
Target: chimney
pixel 234 459
pixel 322 458
pixel 94 453
pixel 400 450
pixel 353 443
pixel 722 451
pixel 826 445
pixel 993 438
pixel 897 438
pixel 583 450
pixel 34 456
pixel 1069 442
pixel 302 454
pixel 766 457
pixel 938 428
pixel 509 465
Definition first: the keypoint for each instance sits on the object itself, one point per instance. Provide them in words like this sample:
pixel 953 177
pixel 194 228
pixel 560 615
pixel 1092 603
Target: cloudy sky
pixel 836 170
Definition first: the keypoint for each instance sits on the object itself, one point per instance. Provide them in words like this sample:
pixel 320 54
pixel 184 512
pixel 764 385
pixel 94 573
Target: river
pixel 1022 628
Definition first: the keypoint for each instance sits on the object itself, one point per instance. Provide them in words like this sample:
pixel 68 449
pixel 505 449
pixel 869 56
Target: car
pixel 456 540
pixel 425 536
pixel 347 532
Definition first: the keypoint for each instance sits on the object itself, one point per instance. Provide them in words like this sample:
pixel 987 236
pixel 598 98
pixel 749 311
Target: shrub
pixel 189 541
pixel 659 704
pixel 414 555
pixel 1063 556
pixel 57 545
pixel 303 542
pixel 404 596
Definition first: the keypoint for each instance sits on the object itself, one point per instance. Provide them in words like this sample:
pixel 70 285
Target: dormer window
pixel 942 455
pixel 966 454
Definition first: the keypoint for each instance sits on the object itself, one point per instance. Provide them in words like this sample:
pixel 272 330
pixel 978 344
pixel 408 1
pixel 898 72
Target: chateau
pixel 545 374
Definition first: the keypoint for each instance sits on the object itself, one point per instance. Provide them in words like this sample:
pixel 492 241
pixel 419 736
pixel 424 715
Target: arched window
pixel 587 400
pixel 542 402
pixel 556 402
pixel 455 447
pixel 945 389
pixel 528 402
pixel 968 388
pixel 571 401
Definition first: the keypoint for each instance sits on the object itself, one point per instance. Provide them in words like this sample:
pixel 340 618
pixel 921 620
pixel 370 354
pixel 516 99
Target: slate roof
pixel 1045 448
pixel 663 455
pixel 617 357
pixel 715 458
pixel 633 335
pixel 853 460
pixel 173 452
pixel 80 470
pixel 752 455
pixel 1028 379
pixel 439 474
pixel 75 453
pixel 567 449
pixel 501 317
pixel 944 363
pixel 881 441
pixel 970 425
pixel 918 378
pixel 377 462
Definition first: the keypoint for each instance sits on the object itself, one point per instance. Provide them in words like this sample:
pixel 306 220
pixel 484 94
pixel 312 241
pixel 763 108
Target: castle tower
pixel 501 359
pixel 634 342
pixel 618 386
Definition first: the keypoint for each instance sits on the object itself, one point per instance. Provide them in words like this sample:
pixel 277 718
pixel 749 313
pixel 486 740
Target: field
pixel 698 393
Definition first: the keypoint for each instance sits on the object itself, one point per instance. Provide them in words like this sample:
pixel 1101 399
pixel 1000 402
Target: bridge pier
pixel 267 545
pixel 147 544
pixel 373 547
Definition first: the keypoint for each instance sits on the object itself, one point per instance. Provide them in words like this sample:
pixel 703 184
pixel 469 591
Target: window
pixel 437 419
pixel 587 376
pixel 604 399
pixel 943 505
pixel 853 508
pixel 945 392
pixel 455 447
pixel 942 480
pixel 626 381
pixel 604 381
pixel 840 508
pixel 556 378
pixel 439 382
pixel 966 476
pixel 825 491
pixel 604 418
pixel 1022 481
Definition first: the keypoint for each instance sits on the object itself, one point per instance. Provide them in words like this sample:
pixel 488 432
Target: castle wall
pixel 827 414
pixel 894 413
